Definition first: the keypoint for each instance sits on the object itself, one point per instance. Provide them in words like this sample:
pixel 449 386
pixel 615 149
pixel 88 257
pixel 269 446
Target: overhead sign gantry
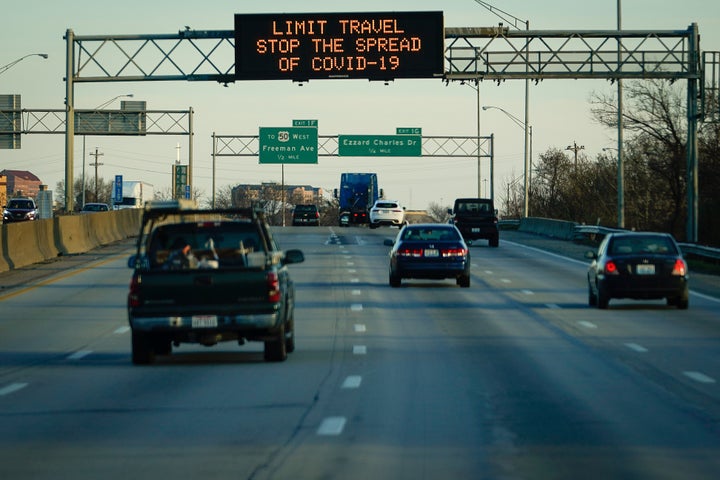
pixel 471 54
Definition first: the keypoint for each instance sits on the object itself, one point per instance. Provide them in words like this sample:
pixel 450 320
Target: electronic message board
pixel 371 45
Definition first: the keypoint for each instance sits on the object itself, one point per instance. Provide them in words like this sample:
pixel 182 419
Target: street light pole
pixel 7 67
pixel 476 87
pixel 527 153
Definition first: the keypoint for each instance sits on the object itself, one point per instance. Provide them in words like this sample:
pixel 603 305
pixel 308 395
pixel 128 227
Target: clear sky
pixel 559 109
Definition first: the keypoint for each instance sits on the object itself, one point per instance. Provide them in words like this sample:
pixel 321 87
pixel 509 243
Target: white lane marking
pixel 638 348
pixel 528 292
pixel 79 354
pixel 352 270
pixel 587 324
pixel 552 306
pixel 331 426
pixel 356 307
pixel 355 292
pixel 505 280
pixel 122 330
pixel 13 387
pixel 360 328
pixel 359 350
pixel 353 381
pixel 489 272
pixel 545 252
pixel 350 264
pixel 354 280
pixel 699 377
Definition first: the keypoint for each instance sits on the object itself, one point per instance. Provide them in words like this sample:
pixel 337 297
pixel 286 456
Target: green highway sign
pixel 305 123
pixel 408 131
pixel 379 145
pixel 288 145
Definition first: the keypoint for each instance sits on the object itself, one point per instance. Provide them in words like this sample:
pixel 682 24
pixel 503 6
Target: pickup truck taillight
pixel 273 286
pixel 133 297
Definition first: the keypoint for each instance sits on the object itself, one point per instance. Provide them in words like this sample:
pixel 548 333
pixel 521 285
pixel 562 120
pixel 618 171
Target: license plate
pixel 645 269
pixel 431 252
pixel 204 321
pixel 475 230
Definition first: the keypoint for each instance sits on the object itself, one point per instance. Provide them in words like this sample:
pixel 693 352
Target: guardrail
pixel 574 232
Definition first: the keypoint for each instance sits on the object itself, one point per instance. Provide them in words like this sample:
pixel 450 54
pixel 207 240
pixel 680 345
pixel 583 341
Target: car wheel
pixel 494 242
pixel 290 335
pixel 592 298
pixel 603 300
pixel 276 349
pixel 395 280
pixel 142 352
pixel 373 225
pixel 463 280
pixel 682 302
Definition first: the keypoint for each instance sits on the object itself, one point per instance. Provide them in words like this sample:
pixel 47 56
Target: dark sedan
pixel 638 265
pixel 20 210
pixel 429 251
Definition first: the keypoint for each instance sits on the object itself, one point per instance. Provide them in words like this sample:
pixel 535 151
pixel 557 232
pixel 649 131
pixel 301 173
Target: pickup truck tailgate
pixel 217 291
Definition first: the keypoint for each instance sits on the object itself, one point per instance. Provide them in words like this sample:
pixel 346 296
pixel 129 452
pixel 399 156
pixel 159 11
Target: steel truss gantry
pixel 432 146
pixel 157 122
pixel 494 53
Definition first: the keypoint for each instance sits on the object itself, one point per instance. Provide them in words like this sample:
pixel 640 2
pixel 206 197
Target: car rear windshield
pixel 430 234
pixel 639 245
pixel 230 242
pixel 305 208
pixel 24 204
pixel 473 207
pixel 386 205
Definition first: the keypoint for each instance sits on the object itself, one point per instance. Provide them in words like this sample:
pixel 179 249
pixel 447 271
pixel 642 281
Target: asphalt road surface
pixel 513 378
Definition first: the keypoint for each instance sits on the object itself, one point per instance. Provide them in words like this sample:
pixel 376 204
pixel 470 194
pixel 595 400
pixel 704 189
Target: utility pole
pixel 96 165
pixel 575 148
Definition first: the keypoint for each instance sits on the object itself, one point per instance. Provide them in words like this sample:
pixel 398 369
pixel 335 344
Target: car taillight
pixel 453 252
pixel 133 297
pixel 611 268
pixel 273 286
pixel 680 268
pixel 410 252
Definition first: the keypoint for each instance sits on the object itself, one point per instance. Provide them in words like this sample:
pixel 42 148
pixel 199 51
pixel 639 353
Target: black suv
pixel 306 215
pixel 476 218
pixel 20 210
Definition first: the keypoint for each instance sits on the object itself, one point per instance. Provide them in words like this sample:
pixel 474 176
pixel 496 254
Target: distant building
pixel 294 194
pixel 21 183
pixel 3 190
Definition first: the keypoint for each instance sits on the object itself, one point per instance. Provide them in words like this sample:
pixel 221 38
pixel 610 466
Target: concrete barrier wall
pixel 548 227
pixel 25 243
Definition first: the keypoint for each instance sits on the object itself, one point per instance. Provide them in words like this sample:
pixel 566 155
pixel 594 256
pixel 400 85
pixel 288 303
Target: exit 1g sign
pixel 288 145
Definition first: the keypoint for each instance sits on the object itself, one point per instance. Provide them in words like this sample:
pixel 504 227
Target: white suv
pixel 387 212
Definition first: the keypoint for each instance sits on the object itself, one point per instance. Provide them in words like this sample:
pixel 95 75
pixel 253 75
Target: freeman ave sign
pixel 288 145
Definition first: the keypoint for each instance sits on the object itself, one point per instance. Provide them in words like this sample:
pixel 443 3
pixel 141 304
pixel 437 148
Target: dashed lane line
pixel 12 388
pixel 332 426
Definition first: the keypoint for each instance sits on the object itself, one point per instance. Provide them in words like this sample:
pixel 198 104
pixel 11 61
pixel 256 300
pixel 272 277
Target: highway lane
pixel 513 378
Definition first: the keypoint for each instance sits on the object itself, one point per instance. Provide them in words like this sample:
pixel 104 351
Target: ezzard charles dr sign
pixel 372 45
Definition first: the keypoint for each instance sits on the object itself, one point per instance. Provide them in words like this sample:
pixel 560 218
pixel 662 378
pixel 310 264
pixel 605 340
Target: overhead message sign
pixel 288 145
pixel 372 45
pixel 379 145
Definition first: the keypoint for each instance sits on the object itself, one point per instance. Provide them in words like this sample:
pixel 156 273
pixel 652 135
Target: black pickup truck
pixel 476 218
pixel 209 276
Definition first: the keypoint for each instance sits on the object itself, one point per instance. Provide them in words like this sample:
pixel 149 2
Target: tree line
pixel 655 169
